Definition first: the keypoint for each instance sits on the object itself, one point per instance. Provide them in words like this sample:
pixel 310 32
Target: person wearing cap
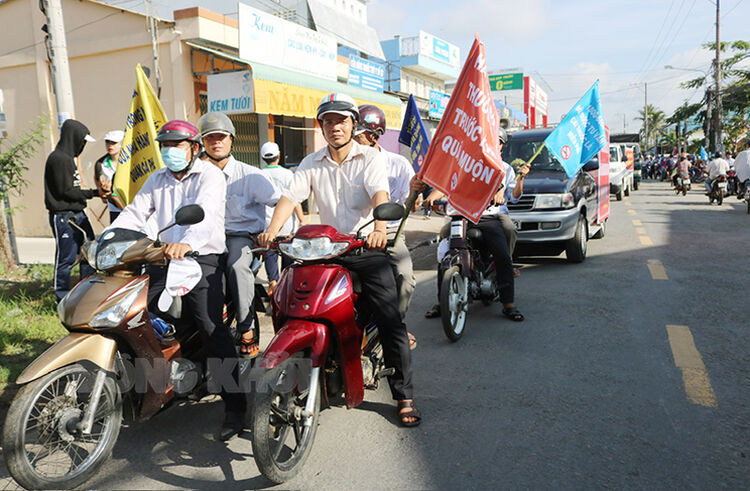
pixel 349 180
pixel 249 192
pixel 186 179
pixel 65 201
pixel 281 178
pixel 104 171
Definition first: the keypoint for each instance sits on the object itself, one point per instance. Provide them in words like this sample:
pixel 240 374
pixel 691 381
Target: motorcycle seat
pixel 475 235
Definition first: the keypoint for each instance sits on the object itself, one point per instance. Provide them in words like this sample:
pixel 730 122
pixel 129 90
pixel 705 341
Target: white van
pixel 620 177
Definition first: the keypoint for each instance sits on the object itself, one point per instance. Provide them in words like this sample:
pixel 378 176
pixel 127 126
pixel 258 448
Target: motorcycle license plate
pixel 457 229
pixel 723 186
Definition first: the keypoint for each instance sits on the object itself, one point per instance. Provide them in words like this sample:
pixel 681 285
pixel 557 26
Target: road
pixel 630 371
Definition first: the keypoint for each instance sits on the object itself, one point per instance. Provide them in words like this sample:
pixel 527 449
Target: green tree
pixel 735 92
pixel 656 123
pixel 12 169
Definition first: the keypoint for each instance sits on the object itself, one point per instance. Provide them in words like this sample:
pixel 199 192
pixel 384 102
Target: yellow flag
pixel 140 155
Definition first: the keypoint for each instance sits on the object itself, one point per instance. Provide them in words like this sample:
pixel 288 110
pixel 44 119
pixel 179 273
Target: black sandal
pixel 433 312
pixel 413 412
pixel 249 348
pixel 513 314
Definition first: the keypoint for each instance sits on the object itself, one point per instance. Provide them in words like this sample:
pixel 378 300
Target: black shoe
pixel 232 426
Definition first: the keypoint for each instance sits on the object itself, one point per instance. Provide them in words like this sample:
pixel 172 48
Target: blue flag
pixel 703 154
pixel 580 136
pixel 413 135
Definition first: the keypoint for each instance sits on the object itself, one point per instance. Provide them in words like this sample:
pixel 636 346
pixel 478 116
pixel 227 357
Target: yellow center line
pixel 656 268
pixel 632 212
pixel 645 240
pixel 688 359
pixel 637 223
pixel 640 231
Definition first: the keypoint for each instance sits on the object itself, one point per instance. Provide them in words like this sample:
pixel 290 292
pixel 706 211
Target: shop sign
pixel 506 81
pixel 438 49
pixel 366 74
pixel 270 40
pixel 231 93
pixel 289 100
pixel 438 103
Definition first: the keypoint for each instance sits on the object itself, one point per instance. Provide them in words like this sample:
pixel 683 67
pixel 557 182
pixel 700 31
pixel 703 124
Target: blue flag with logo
pixel 703 154
pixel 580 135
pixel 413 134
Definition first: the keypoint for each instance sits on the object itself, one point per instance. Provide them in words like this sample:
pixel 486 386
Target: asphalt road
pixel 630 371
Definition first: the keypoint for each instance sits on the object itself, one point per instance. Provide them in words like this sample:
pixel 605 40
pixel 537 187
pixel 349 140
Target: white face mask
pixel 174 158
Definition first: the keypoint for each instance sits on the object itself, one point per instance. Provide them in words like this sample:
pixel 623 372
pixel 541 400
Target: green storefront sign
pixel 506 81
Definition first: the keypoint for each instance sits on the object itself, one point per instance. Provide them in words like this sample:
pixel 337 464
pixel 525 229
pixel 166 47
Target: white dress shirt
pixel 249 192
pixel 717 167
pixel 742 165
pixel 281 178
pixel 343 192
pixel 162 195
pixel 400 173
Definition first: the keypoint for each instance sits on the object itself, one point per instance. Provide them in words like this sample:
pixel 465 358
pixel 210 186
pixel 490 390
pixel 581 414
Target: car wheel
pixel 575 248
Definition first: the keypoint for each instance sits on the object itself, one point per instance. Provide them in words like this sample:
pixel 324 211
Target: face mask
pixel 174 158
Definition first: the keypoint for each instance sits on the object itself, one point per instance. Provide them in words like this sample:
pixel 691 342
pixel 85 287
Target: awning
pixel 346 30
pixel 289 93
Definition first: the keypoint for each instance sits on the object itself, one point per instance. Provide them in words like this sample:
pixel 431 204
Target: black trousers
pixel 68 242
pixel 205 303
pixel 379 288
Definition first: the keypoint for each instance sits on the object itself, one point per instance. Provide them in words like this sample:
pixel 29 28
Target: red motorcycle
pixel 325 345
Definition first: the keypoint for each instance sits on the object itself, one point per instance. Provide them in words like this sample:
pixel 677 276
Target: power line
pixel 656 40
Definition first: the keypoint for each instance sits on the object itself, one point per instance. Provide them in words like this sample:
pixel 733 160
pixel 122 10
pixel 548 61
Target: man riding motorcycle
pixel 188 180
pixel 717 167
pixel 349 180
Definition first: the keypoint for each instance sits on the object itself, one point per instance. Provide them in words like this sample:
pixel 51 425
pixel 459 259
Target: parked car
pixel 555 213
pixel 620 177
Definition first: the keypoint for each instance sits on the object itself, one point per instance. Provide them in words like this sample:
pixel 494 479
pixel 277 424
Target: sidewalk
pixel 42 249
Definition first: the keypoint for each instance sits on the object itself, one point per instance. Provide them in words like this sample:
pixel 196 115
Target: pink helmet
pixel 178 130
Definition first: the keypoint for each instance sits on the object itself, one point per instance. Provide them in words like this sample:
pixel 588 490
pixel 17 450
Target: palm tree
pixel 656 122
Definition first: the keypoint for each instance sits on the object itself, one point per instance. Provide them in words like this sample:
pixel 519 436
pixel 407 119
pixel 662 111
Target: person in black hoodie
pixel 65 201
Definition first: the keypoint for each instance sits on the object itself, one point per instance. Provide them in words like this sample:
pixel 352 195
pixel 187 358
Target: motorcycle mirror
pixel 388 211
pixel 189 215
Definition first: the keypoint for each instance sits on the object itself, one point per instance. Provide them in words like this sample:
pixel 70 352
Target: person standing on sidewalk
pixel 281 178
pixel 65 201
pixel 104 171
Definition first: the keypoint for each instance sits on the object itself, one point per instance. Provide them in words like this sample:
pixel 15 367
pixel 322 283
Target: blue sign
pixel 438 103
pixel 580 135
pixel 413 134
pixel 366 74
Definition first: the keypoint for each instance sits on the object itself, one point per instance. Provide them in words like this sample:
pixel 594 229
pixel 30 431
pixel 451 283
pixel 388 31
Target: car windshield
pixel 518 152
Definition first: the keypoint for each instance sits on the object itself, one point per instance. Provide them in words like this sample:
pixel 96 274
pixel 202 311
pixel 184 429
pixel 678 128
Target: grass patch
pixel 29 318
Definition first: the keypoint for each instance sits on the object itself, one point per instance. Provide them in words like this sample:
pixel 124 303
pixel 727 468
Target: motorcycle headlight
pixel 312 249
pixel 547 201
pixel 110 255
pixel 89 252
pixel 113 316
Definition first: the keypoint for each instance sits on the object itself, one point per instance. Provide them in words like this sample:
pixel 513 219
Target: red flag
pixel 463 161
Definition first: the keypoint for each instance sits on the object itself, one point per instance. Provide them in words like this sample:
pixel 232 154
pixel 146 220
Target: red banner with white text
pixel 464 161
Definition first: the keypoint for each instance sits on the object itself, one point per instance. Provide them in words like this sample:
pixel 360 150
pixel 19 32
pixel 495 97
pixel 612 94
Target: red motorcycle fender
pixel 295 336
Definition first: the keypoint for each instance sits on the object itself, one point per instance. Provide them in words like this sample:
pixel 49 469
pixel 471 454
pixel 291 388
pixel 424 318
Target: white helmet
pixel 339 104
pixel 269 151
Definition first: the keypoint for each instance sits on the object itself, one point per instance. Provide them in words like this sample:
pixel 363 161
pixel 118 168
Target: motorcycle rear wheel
pixel 454 303
pixel 275 409
pixel 719 198
pixel 43 449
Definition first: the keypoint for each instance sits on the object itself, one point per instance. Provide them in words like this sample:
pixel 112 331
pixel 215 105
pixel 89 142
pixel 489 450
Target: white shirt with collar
pixel 249 191
pixel 742 165
pixel 280 177
pixel 163 194
pixel 400 173
pixel 343 192
pixel 717 167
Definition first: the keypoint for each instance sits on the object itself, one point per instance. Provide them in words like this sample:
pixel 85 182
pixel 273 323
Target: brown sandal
pixel 249 348
pixel 413 412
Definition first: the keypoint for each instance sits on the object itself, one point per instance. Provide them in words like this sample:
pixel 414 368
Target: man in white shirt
pixel 717 167
pixel 189 180
pixel 349 180
pixel 742 166
pixel 248 195
pixel 371 126
pixel 281 178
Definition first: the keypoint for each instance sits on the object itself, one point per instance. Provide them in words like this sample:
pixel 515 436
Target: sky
pixel 567 44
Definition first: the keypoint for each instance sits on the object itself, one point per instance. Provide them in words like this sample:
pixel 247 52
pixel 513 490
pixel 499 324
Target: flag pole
pixel 407 210
pixel 536 154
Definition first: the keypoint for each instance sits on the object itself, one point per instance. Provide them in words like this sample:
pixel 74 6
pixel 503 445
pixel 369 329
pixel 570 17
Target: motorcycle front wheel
pixel 42 444
pixel 454 303
pixel 281 441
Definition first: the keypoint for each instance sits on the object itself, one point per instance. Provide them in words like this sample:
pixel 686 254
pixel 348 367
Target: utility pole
pixel 717 74
pixel 57 52
pixel 645 116
pixel 154 45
